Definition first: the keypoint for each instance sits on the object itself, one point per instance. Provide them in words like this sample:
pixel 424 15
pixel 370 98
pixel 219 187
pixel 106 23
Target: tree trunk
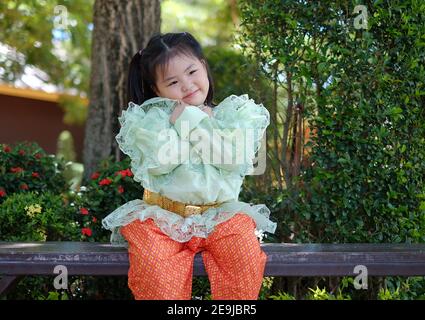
pixel 121 28
pixel 234 12
pixel 286 127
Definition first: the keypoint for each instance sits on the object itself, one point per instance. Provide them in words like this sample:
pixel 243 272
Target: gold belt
pixel 180 208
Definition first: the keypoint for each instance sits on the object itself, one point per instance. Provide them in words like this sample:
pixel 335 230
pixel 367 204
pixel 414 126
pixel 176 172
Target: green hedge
pixel 366 178
pixel 363 95
pixel 26 167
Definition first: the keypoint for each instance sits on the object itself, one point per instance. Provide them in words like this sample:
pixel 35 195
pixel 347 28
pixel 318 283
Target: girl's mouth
pixel 190 95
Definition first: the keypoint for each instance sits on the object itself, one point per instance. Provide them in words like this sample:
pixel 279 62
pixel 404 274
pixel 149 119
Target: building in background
pixel 33 115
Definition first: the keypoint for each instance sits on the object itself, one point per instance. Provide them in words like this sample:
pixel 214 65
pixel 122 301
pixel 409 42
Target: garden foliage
pixel 356 77
pixel 363 92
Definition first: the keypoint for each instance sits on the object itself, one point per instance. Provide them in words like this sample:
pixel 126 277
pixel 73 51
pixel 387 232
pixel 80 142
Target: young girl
pixel 190 203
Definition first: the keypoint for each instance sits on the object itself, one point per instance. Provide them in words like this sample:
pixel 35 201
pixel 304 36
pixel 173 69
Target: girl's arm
pixel 239 147
pixel 180 108
pixel 146 137
pixel 177 111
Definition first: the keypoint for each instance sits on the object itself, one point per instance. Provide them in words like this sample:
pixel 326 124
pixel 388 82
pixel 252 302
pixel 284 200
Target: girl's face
pixel 184 78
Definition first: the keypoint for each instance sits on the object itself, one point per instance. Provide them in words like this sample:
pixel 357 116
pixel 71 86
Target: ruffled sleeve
pixel 148 138
pixel 242 112
pixel 235 132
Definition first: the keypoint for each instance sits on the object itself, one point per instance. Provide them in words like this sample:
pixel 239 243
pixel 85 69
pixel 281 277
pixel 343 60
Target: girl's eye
pixel 174 82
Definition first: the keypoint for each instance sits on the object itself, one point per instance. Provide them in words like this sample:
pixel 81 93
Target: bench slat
pixel 284 259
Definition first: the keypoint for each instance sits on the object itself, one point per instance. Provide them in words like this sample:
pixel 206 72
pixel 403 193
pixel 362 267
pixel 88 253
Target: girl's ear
pixel 153 87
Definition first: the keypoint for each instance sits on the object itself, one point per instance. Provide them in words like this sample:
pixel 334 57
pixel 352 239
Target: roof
pixel 28 93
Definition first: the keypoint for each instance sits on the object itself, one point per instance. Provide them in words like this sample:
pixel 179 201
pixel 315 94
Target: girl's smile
pixel 191 95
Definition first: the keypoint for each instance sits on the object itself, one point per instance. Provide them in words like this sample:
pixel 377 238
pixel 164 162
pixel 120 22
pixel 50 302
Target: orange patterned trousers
pixel 162 269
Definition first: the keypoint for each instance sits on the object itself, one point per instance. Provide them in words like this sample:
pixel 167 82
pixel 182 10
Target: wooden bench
pixel 19 259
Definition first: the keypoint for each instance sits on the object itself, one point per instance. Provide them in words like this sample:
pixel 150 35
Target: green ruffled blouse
pixel 198 160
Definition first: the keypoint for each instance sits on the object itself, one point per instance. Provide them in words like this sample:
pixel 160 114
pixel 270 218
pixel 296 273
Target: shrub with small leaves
pixel 36 216
pixel 109 187
pixel 33 216
pixel 282 296
pixel 26 167
pixel 322 294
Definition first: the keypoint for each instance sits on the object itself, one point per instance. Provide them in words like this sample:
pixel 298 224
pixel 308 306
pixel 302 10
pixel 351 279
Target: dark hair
pixel 159 50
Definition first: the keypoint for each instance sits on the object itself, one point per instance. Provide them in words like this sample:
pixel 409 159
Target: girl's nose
pixel 186 85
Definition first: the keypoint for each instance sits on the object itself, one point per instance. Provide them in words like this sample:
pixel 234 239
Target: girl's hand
pixel 177 111
pixel 180 107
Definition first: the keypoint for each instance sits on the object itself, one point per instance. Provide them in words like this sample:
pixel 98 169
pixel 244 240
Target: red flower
pixel 38 156
pixel 23 186
pixel 124 173
pixel 120 189
pixel 21 152
pixel 95 175
pixel 84 211
pixel 16 170
pixel 6 148
pixel 86 232
pixel 35 175
pixel 94 219
pixel 105 182
pixel 2 192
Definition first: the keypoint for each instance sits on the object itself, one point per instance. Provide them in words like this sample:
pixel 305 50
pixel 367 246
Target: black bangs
pixel 161 63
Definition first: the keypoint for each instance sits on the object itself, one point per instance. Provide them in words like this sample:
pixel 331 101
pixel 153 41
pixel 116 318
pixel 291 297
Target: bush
pixel 57 214
pixel 110 186
pixel 37 217
pixel 26 167
pixel 401 288
pixel 365 181
pixel 362 93
pixel 366 184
